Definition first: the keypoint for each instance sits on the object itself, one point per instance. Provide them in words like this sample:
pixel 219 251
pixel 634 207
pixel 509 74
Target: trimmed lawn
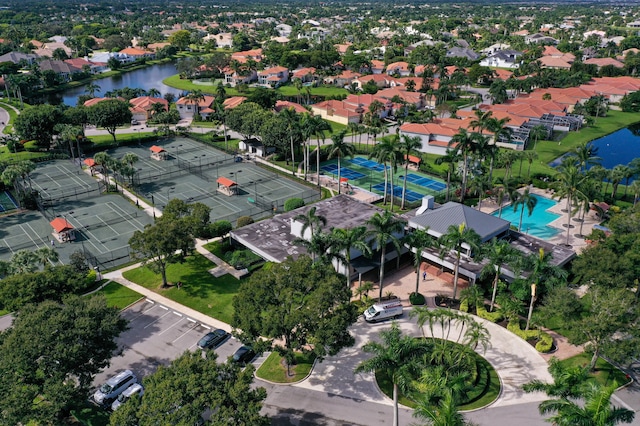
pixel 200 290
pixel 604 374
pixel 315 91
pixel 274 370
pixel 119 296
pixel 5 155
pixel 121 137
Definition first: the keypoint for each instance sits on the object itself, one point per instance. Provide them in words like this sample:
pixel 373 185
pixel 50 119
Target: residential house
pixel 284 30
pixel 103 57
pixel 338 111
pixel 601 62
pixel 19 57
pixel 274 76
pixel 538 38
pixel 400 68
pixel 223 40
pixel 282 105
pixel 462 52
pixel 243 57
pixel 188 108
pixel 416 99
pixel 154 47
pixel 254 146
pixel 381 80
pixel 306 75
pixel 93 67
pixel 494 48
pixel 436 135
pixel 503 59
pixel 233 101
pixel 134 53
pixel 377 67
pixel 61 68
pixel 233 78
pixel 142 108
pixel 344 79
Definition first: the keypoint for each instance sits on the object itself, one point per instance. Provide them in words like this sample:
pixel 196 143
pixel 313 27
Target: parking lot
pixel 156 336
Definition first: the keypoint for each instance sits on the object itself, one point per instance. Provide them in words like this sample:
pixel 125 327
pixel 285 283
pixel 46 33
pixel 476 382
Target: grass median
pixel 200 290
pixel 604 374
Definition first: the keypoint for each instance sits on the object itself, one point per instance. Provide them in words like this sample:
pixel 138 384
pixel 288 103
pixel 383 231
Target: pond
pixel 145 78
pixel 616 148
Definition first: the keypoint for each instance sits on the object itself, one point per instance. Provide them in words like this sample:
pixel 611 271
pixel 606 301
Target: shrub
pixel 90 278
pixel 219 228
pixel 464 305
pixel 31 146
pixel 489 316
pixel 545 341
pixel 293 203
pixel 244 221
pixel 416 299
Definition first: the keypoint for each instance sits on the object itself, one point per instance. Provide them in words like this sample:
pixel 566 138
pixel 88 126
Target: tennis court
pixel 7 203
pixel 368 164
pixel 426 182
pixel 397 192
pixel 344 172
pixel 191 171
pixel 368 174
pixel 61 180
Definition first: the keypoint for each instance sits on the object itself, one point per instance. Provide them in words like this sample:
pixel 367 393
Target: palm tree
pixel 408 145
pixel 23 261
pixel 567 381
pixel 479 185
pixel 444 413
pixel 104 160
pixel 320 125
pixel 130 158
pixel 530 156
pixel 569 182
pixel 481 120
pixel 91 88
pixel 419 240
pixel 587 155
pixel 396 356
pixel 309 219
pixel 451 158
pixel 153 93
pixel 465 143
pixel 310 125
pixel 542 273
pixel 351 239
pixel 508 158
pixel 221 93
pixel 538 132
pixel 596 409
pixel 339 149
pixel 524 199
pixel 321 246
pixel 384 229
pixel 294 130
pixel 497 253
pixel 46 255
pixel 635 188
pixel 453 240
pixel 195 97
pixel 505 187
pixel 616 175
pixel 387 152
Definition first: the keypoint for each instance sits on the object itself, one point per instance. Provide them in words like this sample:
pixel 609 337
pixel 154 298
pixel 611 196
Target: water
pixel 146 78
pixel 538 223
pixel 617 148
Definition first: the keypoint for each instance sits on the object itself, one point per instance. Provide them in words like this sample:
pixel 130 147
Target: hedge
pixel 416 299
pixel 489 316
pixel 293 203
pixel 545 341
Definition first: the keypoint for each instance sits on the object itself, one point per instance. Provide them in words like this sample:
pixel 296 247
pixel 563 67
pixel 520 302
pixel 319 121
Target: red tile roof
pixel 156 149
pixel 226 182
pixel 60 225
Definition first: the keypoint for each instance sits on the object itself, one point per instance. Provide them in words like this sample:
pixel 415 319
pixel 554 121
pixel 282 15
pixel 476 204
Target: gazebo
pixel 414 161
pixel 91 163
pixel 227 186
pixel 158 153
pixel 63 231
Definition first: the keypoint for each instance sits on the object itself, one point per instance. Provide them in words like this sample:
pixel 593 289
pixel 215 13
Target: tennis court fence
pixel 109 259
pixel 179 167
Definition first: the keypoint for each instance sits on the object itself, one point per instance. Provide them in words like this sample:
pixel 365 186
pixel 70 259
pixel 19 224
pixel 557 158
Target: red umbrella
pixel 344 180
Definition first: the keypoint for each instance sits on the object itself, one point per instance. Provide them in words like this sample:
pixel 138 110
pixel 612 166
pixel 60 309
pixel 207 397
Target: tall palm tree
pixel 443 413
pixel 396 355
pixel 322 247
pixel 508 157
pixel 481 120
pixel 465 143
pixel 351 239
pixel 309 219
pixel 497 253
pixel 542 273
pixel 480 185
pixel 340 149
pixel 453 240
pixel 505 187
pixel 23 261
pixel 635 188
pixel 587 155
pixel 530 156
pixel 419 240
pixel 104 160
pixel 451 158
pixel 569 182
pixel 408 145
pixel 384 228
pixel 386 152
pixel 195 97
pixel 616 175
pixel 537 132
pixel 91 88
pixel 321 126
pixel 294 131
pixel 596 409
pixel 524 199
pixel 310 126
pixel 153 92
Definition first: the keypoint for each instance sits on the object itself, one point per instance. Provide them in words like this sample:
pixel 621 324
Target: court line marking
pixel 114 206
pixel 27 234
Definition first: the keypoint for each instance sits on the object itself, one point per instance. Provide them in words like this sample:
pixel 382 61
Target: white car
pixel 134 389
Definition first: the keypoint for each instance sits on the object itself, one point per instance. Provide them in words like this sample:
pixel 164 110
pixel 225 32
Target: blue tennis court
pixel 426 182
pixel 397 192
pixel 344 172
pixel 7 203
pixel 368 164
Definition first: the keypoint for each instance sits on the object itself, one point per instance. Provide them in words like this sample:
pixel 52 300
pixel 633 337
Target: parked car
pixel 243 355
pixel 134 389
pixel 213 339
pixel 109 391
pixel 134 122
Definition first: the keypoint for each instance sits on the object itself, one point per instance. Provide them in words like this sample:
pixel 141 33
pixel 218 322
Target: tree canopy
pixel 109 114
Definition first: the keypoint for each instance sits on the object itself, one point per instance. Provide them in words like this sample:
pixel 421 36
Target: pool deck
pixel 576 242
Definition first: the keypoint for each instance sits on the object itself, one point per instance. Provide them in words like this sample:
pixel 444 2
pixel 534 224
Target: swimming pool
pixel 538 223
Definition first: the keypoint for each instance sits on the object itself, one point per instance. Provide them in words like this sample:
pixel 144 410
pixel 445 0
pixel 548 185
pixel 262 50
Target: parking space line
pixel 184 334
pixel 141 314
pixel 158 319
pixel 205 326
pixel 150 301
pixel 177 313
pixel 191 320
pixel 164 307
pixel 170 327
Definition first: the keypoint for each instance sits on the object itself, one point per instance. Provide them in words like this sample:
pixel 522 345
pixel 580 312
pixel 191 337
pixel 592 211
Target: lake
pixel 146 78
pixel 617 148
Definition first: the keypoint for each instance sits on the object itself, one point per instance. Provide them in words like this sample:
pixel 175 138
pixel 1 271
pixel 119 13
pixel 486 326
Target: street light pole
pixel 533 299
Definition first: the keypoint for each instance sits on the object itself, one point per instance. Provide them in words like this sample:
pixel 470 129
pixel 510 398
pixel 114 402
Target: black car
pixel 243 355
pixel 213 338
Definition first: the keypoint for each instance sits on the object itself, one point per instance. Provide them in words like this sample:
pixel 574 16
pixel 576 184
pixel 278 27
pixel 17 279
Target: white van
pixel 134 389
pixel 109 391
pixel 383 311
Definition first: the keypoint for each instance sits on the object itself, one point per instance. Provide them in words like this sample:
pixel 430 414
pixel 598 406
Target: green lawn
pixel 5 155
pixel 291 90
pixel 274 369
pixel 200 290
pixel 120 138
pixel 605 373
pixel 119 296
